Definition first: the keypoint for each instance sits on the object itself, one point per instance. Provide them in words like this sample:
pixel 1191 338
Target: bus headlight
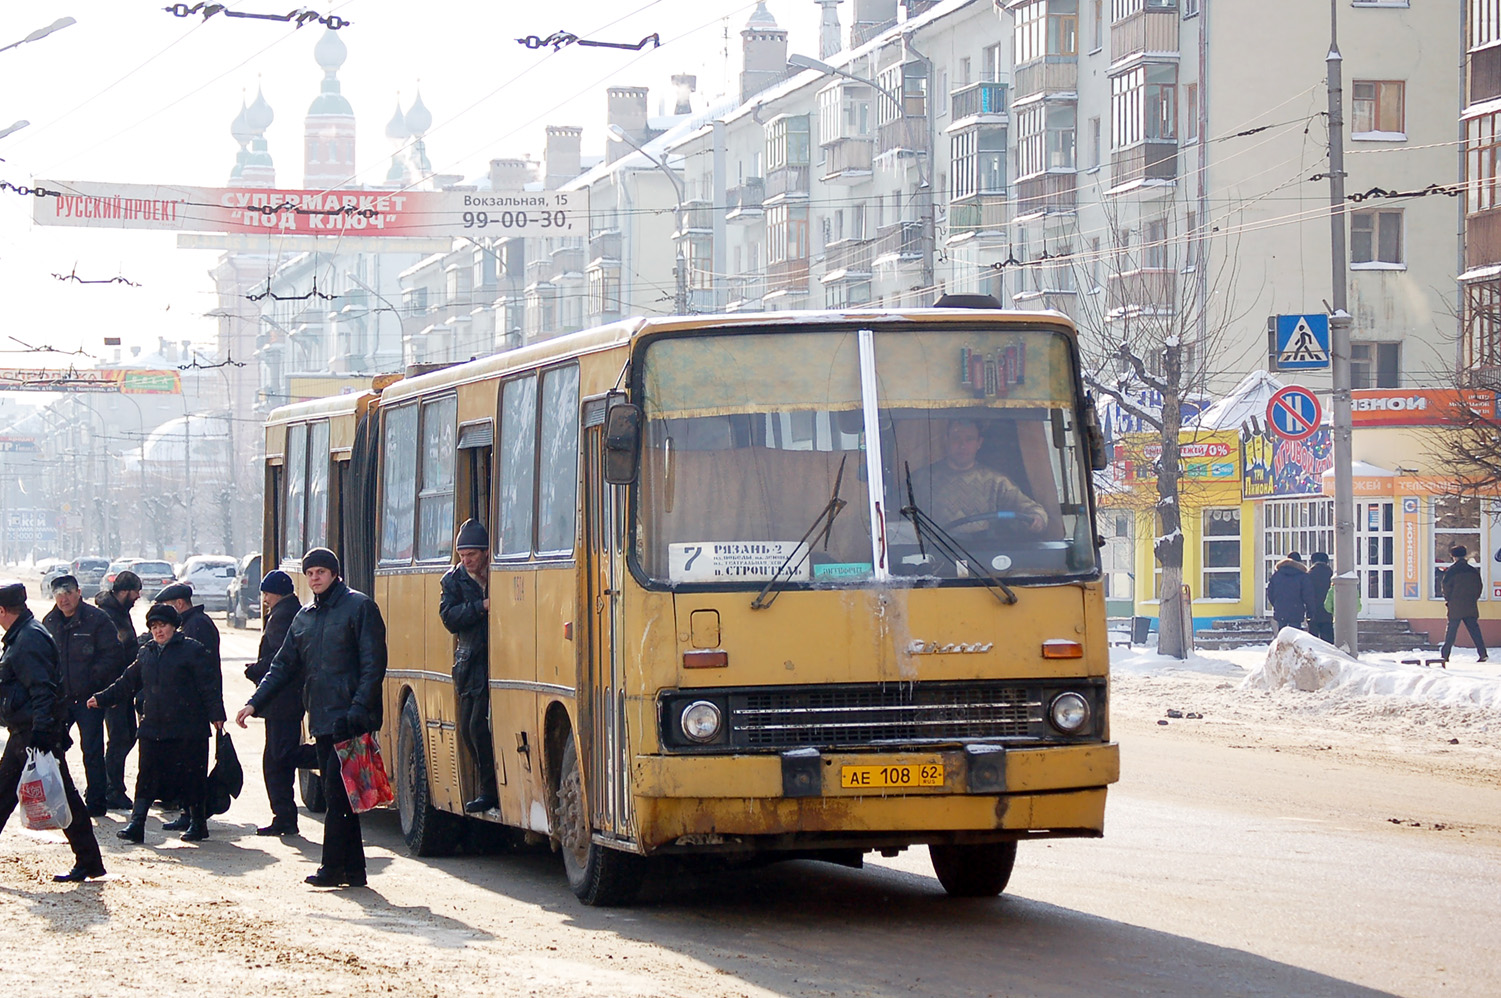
pixel 700 721
pixel 1069 713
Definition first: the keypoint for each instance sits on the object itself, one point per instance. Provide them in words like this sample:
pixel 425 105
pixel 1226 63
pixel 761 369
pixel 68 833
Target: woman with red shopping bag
pixel 335 652
pixel 32 714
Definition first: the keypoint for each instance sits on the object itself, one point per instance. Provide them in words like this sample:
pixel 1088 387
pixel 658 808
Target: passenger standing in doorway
pixel 120 720
pixel 1320 576
pixel 464 607
pixel 283 712
pixel 335 654
pixel 1287 589
pixel 1462 587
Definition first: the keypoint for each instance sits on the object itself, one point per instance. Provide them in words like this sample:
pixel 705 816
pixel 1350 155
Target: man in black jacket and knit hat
pixel 1287 591
pixel 1462 586
pixel 464 608
pixel 335 653
pixel 31 711
pixel 283 713
pixel 120 720
pixel 195 624
pixel 89 658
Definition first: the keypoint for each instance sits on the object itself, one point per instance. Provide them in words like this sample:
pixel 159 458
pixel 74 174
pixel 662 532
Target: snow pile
pixel 1301 661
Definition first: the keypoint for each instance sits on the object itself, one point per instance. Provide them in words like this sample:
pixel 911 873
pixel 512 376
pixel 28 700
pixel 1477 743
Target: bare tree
pixel 1156 314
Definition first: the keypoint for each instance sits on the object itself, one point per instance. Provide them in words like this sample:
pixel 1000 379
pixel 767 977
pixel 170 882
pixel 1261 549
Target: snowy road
pixel 1253 852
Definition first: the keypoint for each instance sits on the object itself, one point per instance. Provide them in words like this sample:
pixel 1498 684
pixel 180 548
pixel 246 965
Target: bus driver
pixel 959 487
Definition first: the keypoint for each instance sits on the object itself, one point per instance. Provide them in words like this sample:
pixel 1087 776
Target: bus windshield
pixel 757 463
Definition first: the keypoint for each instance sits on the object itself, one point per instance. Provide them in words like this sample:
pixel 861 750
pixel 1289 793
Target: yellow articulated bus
pixel 788 584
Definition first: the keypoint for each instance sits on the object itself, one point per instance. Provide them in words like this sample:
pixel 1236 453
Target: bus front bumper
pixel 808 799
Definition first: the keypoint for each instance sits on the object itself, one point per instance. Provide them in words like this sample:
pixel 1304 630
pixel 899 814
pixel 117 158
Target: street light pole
pixel 1346 583
pixel 680 295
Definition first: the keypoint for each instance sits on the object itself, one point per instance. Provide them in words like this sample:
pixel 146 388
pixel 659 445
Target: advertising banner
pixel 127 381
pixel 1417 406
pixel 1412 548
pixel 1274 466
pixel 276 211
pixel 1204 456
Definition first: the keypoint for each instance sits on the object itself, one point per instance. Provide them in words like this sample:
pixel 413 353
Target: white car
pixel 209 575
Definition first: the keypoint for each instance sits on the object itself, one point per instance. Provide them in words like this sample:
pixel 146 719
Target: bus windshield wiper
pixel 825 519
pixel 946 545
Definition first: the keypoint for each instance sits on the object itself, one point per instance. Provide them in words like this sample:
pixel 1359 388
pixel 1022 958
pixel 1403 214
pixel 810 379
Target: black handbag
pixel 227 778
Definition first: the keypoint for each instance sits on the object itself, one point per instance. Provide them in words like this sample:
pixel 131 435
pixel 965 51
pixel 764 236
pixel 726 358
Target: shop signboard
pixel 1274 466
pixel 1205 457
pixel 1412 555
pixel 1418 406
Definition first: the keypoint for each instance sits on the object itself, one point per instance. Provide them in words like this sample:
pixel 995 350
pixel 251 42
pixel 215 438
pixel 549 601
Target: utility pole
pixel 1346 583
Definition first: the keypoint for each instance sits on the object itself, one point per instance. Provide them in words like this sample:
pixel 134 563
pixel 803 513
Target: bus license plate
pixel 921 774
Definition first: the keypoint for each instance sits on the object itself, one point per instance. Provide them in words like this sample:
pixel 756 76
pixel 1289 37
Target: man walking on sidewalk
pixel 1462 587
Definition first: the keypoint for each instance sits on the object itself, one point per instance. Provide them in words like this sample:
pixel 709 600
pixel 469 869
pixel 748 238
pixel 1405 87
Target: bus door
pixel 602 732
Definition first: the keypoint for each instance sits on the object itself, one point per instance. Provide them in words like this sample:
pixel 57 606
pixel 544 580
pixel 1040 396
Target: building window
pixel 1094 143
pixel 1376 236
pixel 1482 138
pixel 787 142
pixel 1485 22
pixel 1122 9
pixel 786 233
pixel 1144 106
pixel 1118 559
pixel 1221 564
pixel 1046 28
pixel 979 156
pixel 992 64
pixel 1190 8
pixel 1456 520
pixel 1154 245
pixel 1046 140
pixel 1375 365
pixel 1377 109
pixel 1097 26
pixel 1191 112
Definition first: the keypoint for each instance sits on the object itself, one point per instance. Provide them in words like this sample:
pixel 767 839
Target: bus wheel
pixel 427 831
pixel 310 783
pixel 973 871
pixel 598 875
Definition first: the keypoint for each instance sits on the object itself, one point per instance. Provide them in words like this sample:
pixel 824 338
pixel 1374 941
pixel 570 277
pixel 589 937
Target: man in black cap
pixel 90 658
pixel 1320 576
pixel 120 720
pixel 283 712
pixel 33 715
pixel 464 608
pixel 335 653
pixel 196 625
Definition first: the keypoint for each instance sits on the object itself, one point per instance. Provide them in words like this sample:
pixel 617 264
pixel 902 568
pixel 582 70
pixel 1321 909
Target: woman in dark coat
pixel 182 700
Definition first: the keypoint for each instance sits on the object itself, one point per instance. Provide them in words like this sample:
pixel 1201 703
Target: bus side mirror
pixel 622 443
pixel 1099 457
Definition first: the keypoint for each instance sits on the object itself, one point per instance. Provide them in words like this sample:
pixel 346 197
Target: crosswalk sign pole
pixel 1345 582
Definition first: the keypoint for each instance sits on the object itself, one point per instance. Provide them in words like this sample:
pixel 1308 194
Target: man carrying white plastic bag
pixel 32 714
pixel 42 794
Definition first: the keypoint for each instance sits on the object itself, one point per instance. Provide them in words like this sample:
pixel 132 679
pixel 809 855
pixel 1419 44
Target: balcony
pixel 1483 238
pixel 697 219
pixel 1148 289
pixel 847 161
pixel 986 101
pixel 1046 194
pixel 745 201
pixel 848 260
pixel 1144 161
pixel 743 292
pixel 899 243
pixel 1050 75
pixel 567 260
pixel 904 135
pixel 1152 32
pixel 787 278
pixel 787 182
pixel 604 247
pixel 979 214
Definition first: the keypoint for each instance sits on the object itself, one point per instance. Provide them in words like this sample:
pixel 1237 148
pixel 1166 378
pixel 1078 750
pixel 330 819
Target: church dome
pixel 396 128
pixel 419 119
pixel 330 51
pixel 761 17
pixel 258 116
pixel 240 129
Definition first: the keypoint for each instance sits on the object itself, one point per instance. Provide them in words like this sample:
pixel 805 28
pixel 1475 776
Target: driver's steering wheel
pixel 993 517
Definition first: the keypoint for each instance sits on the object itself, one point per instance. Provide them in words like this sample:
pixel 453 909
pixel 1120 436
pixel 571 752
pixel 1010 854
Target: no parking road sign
pixel 1294 413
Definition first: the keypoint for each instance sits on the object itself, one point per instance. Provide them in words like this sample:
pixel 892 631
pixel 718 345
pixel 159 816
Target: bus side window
pixel 317 486
pixel 518 470
pixel 292 546
pixel 435 526
pixel 398 483
pixel 557 484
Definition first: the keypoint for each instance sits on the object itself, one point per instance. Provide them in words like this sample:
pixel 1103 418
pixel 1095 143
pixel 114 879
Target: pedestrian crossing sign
pixel 1302 342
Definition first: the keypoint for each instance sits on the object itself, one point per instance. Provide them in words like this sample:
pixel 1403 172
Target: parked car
pixel 89 571
pixel 155 575
pixel 209 575
pixel 51 568
pixel 245 591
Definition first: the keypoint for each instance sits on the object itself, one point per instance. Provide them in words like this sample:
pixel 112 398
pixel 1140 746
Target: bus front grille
pixel 865 714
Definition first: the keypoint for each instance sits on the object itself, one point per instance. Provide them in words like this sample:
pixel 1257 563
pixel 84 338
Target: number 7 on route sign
pixel 1294 413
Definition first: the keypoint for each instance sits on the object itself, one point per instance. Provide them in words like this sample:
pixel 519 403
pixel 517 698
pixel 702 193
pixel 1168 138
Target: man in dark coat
pixel 120 720
pixel 32 712
pixel 195 625
pixel 1318 579
pixel 336 653
pixel 283 712
pixel 1286 590
pixel 464 608
pixel 1462 587
pixel 90 658
pixel 181 691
